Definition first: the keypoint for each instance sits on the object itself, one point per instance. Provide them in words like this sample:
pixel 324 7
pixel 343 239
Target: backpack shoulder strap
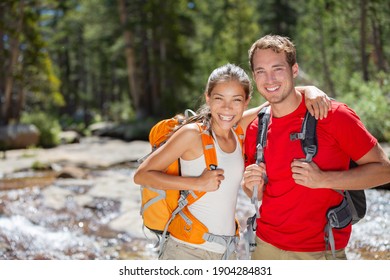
pixel 209 151
pixel 240 134
pixel 309 144
pixel 210 157
pixel 308 136
pixel 263 119
pixel 210 154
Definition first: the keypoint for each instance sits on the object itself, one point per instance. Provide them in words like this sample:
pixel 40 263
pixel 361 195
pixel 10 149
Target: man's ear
pixel 295 70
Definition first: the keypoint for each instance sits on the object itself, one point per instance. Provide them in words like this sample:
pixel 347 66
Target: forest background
pixel 68 64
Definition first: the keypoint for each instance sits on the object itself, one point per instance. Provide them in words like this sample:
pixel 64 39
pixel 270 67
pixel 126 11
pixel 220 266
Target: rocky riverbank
pixel 82 197
pixel 91 152
pixel 72 164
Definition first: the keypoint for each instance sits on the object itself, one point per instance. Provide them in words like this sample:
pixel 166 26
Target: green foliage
pixel 38 165
pixel 120 111
pixel 72 54
pixel 371 101
pixel 48 126
pixel 329 40
pixel 39 76
pixel 277 17
pixel 30 81
pixel 44 88
pixel 224 31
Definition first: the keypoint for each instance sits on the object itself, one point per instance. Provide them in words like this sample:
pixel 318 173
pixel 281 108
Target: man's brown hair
pixel 278 44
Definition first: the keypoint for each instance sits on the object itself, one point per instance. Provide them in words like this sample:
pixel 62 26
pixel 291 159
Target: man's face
pixel 273 76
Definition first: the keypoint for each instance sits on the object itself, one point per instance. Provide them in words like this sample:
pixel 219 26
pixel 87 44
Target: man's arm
pixel 373 170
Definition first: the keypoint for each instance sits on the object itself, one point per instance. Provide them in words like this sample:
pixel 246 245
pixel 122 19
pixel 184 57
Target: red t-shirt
pixel 293 217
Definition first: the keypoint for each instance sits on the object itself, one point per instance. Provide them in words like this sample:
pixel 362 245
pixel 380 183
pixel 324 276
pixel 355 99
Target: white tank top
pixel 216 210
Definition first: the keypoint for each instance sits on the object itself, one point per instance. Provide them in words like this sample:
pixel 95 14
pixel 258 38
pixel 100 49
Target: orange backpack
pixel 159 208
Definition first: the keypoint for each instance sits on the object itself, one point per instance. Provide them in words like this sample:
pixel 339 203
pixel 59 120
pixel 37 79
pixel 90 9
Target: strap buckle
pixel 297 136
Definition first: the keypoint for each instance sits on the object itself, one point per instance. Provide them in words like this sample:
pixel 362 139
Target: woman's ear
pixel 247 102
pixel 207 98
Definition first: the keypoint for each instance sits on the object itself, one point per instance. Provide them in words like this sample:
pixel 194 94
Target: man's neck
pixel 287 106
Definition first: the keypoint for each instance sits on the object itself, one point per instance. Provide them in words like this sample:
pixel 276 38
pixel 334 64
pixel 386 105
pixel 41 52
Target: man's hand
pixel 307 174
pixel 254 175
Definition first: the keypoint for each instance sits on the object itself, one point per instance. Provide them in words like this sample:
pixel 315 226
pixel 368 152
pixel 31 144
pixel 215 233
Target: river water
pixel 65 221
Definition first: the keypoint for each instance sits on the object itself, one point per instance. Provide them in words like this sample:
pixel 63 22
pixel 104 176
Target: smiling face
pixel 227 102
pixel 273 75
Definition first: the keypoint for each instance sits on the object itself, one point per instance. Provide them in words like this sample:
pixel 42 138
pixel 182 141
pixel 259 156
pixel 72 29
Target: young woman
pixel 227 95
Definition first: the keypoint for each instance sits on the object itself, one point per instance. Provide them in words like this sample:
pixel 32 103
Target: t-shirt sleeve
pixel 350 132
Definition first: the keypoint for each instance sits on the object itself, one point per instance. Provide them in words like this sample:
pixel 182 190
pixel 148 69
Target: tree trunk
pixel 156 73
pixel 379 57
pixel 327 75
pixel 20 102
pixel 147 83
pixel 363 38
pixel 130 60
pixel 12 67
pixel 2 65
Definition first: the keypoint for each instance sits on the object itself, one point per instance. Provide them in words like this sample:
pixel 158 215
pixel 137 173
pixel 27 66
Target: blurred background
pixel 68 64
pixel 83 79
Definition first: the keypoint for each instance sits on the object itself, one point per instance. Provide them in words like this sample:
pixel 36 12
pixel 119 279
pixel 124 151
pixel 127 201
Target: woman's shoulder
pixel 188 131
pixel 188 139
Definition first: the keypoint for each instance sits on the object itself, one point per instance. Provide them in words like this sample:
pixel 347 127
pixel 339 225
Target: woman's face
pixel 227 104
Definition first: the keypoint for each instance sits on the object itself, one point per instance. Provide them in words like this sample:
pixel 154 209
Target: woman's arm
pixel 317 103
pixel 250 114
pixel 186 142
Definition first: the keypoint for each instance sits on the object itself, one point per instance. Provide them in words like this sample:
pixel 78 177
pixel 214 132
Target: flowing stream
pixel 73 219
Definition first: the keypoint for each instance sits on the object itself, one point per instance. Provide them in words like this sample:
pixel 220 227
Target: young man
pixel 298 194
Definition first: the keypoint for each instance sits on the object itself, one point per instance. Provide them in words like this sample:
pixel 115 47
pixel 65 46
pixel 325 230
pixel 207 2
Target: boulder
pixel 18 136
pixel 69 137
